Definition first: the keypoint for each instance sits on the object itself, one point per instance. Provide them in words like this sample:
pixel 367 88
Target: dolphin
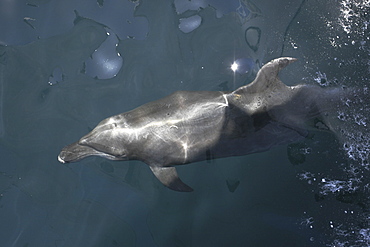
pixel 191 126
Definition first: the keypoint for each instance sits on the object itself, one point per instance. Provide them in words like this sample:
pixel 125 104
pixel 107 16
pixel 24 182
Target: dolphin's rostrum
pixel 190 126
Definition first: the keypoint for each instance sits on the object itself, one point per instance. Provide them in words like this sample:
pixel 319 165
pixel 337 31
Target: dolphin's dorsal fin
pixel 267 76
pixel 168 177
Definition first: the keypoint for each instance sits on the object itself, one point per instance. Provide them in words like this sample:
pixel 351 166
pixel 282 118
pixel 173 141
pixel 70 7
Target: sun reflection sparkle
pixel 234 66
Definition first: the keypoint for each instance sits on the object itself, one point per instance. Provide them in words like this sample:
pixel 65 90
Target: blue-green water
pixel 62 71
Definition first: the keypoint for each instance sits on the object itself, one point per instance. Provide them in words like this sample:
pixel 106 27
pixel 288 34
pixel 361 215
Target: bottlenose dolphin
pixel 190 126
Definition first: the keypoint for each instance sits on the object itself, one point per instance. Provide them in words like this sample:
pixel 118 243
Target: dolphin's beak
pixel 75 152
pixel 60 159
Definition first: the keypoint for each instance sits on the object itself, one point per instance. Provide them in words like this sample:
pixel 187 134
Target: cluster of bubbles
pixel 321 79
pixel 351 12
pixel 347 224
pixel 346 189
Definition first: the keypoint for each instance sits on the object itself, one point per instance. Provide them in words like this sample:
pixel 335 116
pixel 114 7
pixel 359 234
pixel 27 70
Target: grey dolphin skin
pixel 190 126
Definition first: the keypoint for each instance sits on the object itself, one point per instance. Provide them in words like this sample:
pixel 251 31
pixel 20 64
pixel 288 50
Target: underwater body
pixel 70 64
pixel 190 126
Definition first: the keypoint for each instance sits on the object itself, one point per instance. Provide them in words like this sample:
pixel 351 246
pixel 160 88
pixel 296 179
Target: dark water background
pixel 66 65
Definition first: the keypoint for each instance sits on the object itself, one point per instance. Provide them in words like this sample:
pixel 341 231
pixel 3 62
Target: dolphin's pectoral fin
pixel 168 177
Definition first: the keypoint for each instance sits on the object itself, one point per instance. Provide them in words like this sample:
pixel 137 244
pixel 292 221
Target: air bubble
pixel 321 79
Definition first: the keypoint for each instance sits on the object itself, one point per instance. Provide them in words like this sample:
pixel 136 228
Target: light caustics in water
pixel 189 24
pixel 105 62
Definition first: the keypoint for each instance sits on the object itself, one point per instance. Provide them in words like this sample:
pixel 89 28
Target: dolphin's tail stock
pixel 343 108
pixel 349 121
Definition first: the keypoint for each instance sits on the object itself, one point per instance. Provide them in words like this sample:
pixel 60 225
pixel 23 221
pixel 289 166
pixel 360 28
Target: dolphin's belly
pixel 270 135
pixel 181 147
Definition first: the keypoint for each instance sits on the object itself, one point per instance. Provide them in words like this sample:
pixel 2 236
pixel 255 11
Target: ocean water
pixel 66 65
